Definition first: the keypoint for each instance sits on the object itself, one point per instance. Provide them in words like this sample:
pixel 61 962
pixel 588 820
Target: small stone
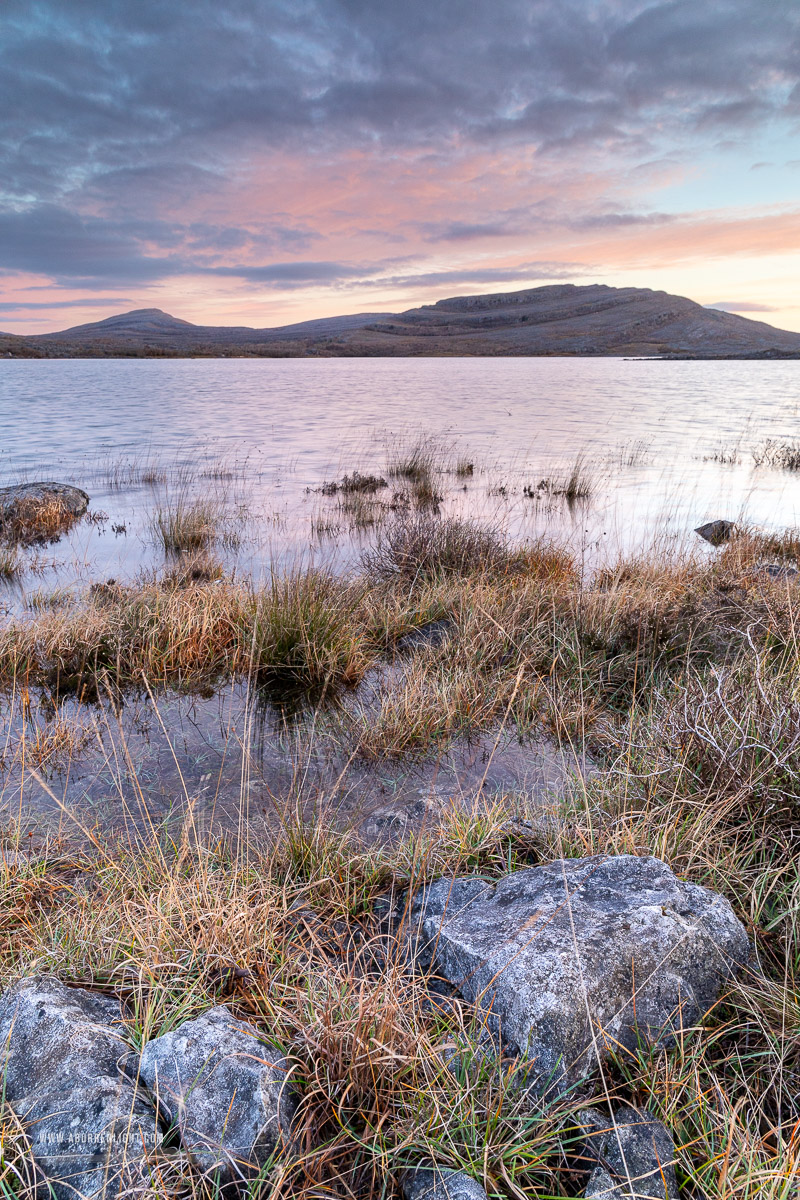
pixel 227 1090
pixel 716 532
pixel 426 1183
pixel 780 571
pixel 68 1076
pixel 637 1159
pixel 431 634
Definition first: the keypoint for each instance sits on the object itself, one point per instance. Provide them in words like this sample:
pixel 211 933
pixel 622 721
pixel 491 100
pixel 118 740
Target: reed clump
pixel 184 524
pixel 781 456
pixel 11 563
pixel 355 484
pixel 418 460
pixel 36 521
pixel 419 548
pixel 304 628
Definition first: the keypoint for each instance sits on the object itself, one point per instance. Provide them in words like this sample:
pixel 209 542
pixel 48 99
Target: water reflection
pixel 236 764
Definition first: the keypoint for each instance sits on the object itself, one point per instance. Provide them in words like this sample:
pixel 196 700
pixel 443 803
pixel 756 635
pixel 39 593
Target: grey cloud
pixel 521 273
pixel 465 231
pixel 289 274
pixel 95 252
pixel 129 112
pixel 104 302
pixel 51 241
pixel 734 306
pixel 620 220
pixel 109 87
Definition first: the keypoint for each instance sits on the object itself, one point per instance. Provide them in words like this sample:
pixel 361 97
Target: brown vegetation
pixel 680 674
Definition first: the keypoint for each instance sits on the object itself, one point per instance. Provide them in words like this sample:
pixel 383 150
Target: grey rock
pixel 425 1183
pixel 69 1076
pixel 438 904
pixel 594 1126
pixel 636 1159
pixel 398 819
pixel 432 633
pixel 716 532
pixel 24 505
pixel 227 1091
pixel 780 571
pixel 579 957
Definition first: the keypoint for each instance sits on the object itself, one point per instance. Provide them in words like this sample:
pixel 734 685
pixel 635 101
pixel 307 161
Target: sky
pixel 259 162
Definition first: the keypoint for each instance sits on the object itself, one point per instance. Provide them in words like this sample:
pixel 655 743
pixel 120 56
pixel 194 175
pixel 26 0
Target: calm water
pixel 647 432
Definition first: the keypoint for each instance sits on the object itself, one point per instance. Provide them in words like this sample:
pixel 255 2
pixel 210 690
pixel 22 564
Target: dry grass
pixel 51 744
pixel 681 677
pixel 418 460
pixel 781 456
pixel 420 548
pixel 36 521
pixel 578 483
pixel 185 524
pixel 362 510
pixel 11 563
pixel 292 937
pixel 306 630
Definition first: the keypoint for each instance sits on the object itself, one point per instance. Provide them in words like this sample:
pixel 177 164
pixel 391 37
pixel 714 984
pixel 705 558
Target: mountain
pixel 559 319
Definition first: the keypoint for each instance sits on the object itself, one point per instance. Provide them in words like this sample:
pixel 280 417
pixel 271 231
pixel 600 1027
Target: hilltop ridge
pixel 557 319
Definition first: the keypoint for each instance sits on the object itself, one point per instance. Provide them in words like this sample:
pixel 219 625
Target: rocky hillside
pixel 560 319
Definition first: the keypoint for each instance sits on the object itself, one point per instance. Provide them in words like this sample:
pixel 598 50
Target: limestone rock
pixel 580 956
pixel 636 1159
pixel 66 1075
pixel 422 1183
pixel 227 1091
pixel 716 532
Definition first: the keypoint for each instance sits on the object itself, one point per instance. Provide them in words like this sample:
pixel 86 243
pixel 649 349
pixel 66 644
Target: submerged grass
pixel 184 523
pixel 782 456
pixel 11 564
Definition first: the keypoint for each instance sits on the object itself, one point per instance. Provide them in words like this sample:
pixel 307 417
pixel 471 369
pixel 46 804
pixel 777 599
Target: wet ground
pixel 228 763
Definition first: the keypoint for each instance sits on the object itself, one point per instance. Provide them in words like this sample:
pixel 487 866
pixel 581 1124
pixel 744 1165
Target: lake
pixel 264 435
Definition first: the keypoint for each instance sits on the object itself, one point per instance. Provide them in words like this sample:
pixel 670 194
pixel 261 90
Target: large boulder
pixel 580 957
pixel 635 1158
pixel 39 511
pixel 69 1075
pixel 226 1090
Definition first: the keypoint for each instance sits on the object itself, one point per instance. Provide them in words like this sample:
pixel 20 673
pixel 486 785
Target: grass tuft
pixel 781 456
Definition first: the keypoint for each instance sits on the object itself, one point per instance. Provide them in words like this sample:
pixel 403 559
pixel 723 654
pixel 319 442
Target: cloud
pixel 735 306
pixel 621 220
pixel 254 140
pixel 36 305
pixel 100 94
pixel 289 274
pixel 518 273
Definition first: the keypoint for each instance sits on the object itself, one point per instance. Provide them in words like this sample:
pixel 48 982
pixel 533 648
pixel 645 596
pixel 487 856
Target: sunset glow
pixel 261 162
